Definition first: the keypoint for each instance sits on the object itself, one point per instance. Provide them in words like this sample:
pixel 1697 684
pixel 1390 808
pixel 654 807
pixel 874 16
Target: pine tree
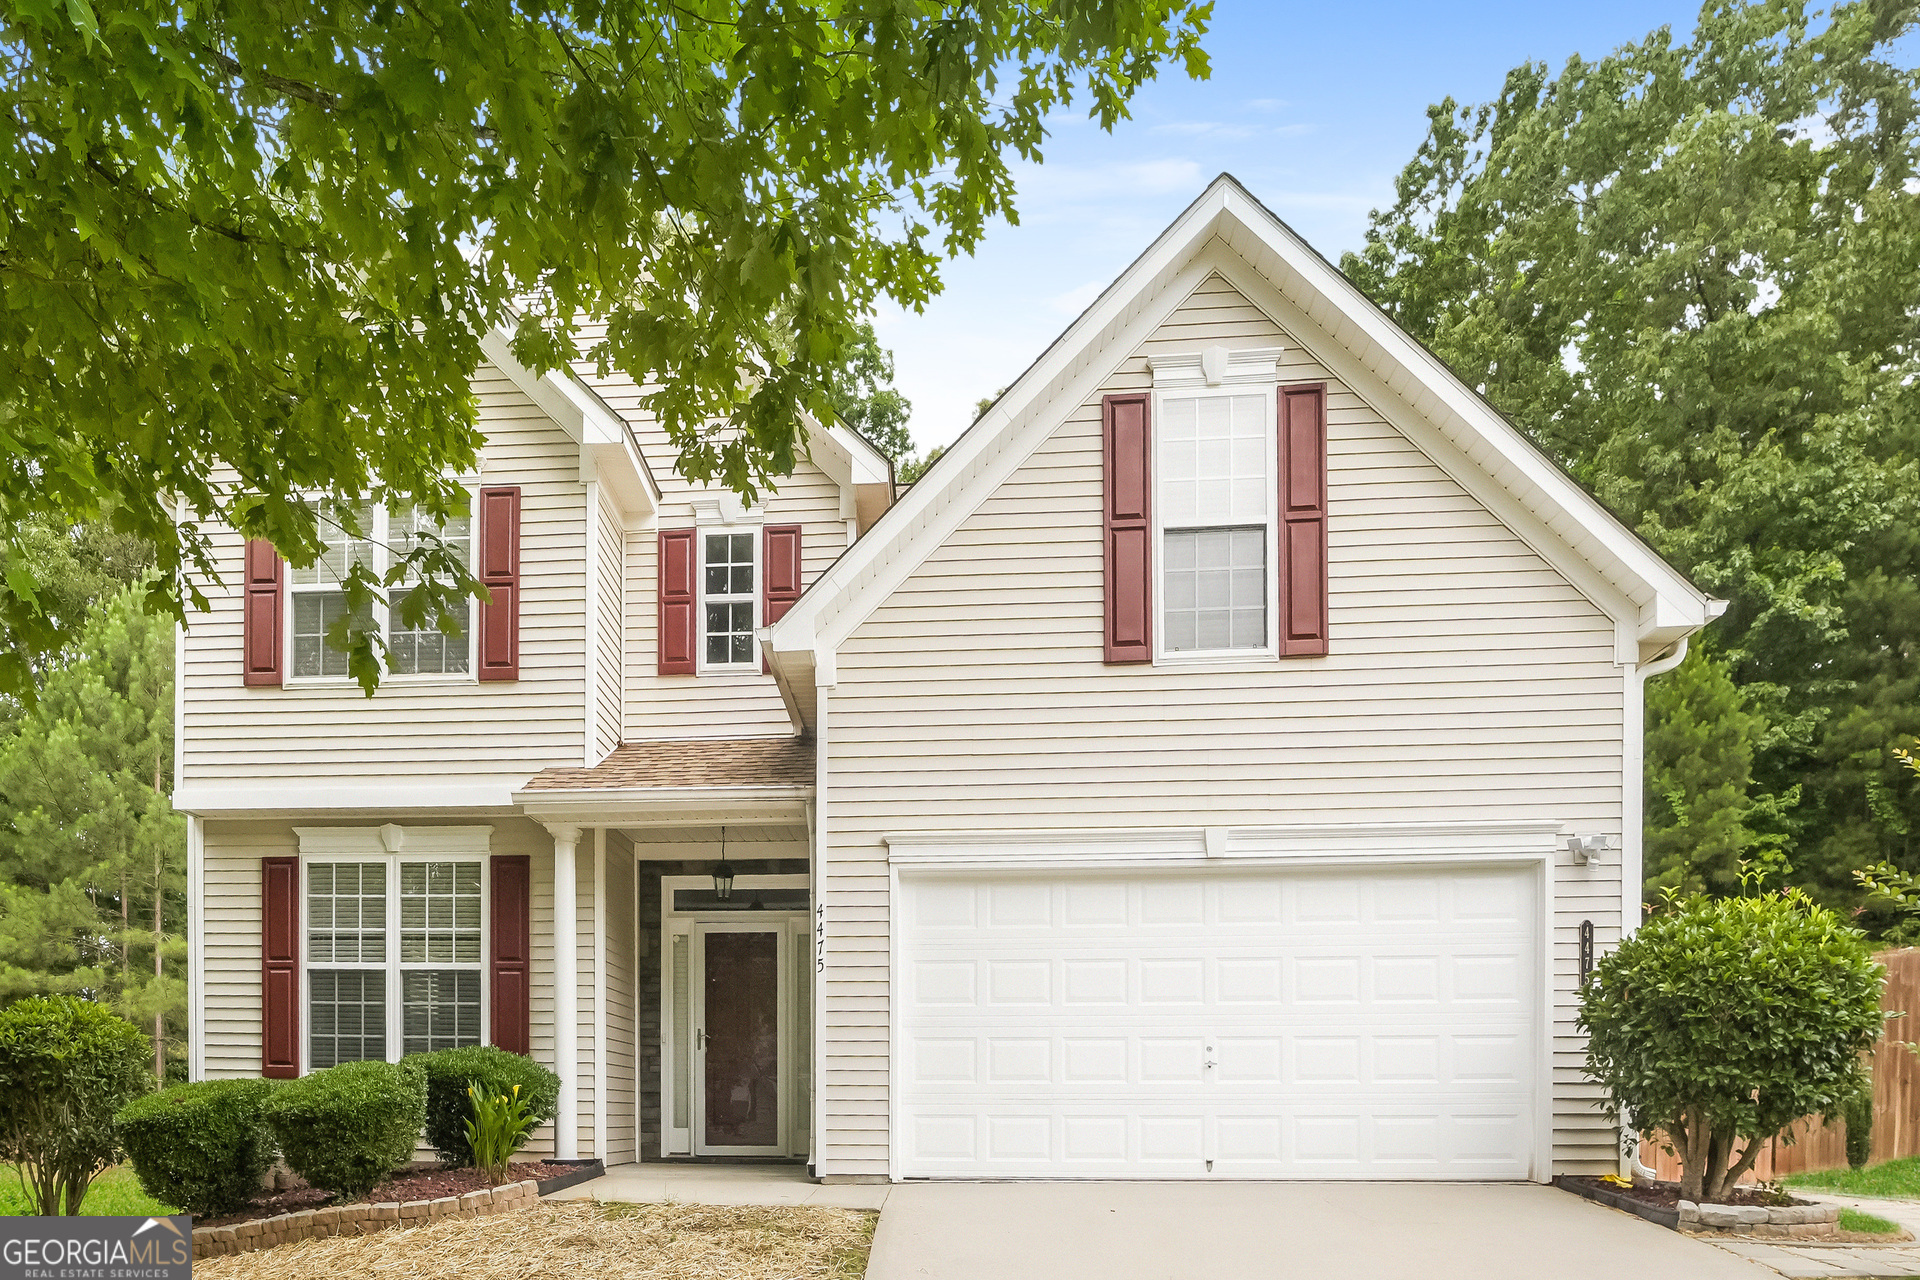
pixel 92 855
pixel 1705 822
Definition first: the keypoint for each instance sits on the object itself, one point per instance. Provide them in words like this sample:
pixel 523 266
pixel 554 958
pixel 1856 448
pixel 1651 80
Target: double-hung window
pixel 729 600
pixel 395 956
pixel 1214 517
pixel 317 600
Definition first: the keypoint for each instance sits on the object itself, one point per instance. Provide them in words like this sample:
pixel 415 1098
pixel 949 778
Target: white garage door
pixel 1324 1024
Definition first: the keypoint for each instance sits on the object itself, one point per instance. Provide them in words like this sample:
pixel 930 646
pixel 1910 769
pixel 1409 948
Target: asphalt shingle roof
pixel 695 762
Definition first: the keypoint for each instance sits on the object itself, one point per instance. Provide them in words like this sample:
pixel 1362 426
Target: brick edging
pixel 358 1219
pixel 1785 1222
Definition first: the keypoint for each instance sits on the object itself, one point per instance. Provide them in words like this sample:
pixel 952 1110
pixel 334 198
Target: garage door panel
pixel 1324 1024
pixel 1087 1139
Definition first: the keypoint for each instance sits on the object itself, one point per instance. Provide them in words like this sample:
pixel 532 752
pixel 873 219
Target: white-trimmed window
pixel 316 600
pixel 1214 521
pixel 395 955
pixel 729 599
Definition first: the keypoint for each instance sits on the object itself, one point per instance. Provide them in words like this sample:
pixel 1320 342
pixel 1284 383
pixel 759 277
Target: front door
pixel 737 1039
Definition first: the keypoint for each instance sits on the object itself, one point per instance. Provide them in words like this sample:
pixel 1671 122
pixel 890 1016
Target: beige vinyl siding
pixel 610 645
pixel 623 1058
pixel 449 729
pixel 705 706
pixel 230 946
pixel 231 1006
pixel 1467 681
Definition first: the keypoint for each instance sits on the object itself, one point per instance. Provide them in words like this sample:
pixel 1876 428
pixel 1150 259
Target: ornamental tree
pixel 1721 1021
pixel 249 249
pixel 66 1066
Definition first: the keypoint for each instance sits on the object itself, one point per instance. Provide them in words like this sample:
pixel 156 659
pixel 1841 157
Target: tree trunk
pixel 1693 1156
pixel 159 1019
pixel 159 896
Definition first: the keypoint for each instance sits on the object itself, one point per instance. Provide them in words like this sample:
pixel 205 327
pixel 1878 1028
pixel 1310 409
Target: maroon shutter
pixel 780 574
pixel 500 572
pixel 679 640
pixel 1303 520
pixel 1129 535
pixel 512 960
pixel 262 639
pixel 280 968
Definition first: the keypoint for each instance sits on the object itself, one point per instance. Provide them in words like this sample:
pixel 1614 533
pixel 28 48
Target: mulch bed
pixel 1666 1195
pixel 419 1183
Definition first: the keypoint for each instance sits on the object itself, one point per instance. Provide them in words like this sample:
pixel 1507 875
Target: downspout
pixel 1632 823
pixel 817 1111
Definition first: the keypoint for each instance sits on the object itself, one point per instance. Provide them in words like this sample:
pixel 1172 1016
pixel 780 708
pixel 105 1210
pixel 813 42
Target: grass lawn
pixel 1854 1220
pixel 1894 1180
pixel 581 1240
pixel 115 1193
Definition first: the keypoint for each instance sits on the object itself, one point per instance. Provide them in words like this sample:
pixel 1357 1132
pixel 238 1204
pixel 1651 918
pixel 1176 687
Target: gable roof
pixel 608 451
pixel 1226 231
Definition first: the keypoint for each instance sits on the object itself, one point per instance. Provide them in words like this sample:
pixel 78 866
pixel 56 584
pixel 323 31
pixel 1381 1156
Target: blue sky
pixel 1314 107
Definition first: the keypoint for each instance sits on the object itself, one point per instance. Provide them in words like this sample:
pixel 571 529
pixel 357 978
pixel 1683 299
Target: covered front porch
pixel 692 949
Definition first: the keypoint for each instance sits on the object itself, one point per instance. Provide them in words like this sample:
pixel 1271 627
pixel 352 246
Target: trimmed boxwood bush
pixel 204 1147
pixel 346 1128
pixel 66 1065
pixel 449 1072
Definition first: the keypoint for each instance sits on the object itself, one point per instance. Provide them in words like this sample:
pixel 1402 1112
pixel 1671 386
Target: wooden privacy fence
pixel 1809 1144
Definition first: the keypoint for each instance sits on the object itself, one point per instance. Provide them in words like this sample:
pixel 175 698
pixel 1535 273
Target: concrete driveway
pixel 1275 1231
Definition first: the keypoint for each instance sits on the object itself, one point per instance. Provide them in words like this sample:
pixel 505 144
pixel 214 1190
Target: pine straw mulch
pixel 582 1240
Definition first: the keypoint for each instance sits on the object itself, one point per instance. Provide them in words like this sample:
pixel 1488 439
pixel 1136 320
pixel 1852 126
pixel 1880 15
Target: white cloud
pixel 1205 129
pixel 1266 104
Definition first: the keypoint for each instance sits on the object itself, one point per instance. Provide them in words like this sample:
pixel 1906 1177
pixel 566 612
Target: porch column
pixel 566 996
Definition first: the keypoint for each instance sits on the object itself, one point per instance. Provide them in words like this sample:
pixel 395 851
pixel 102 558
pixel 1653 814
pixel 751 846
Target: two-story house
pixel 1221 764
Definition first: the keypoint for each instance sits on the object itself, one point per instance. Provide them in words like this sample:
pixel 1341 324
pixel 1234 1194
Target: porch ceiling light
pixel 723 871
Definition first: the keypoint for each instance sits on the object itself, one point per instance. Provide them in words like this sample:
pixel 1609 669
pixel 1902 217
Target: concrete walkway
pixel 1275 1231
pixel 768 1184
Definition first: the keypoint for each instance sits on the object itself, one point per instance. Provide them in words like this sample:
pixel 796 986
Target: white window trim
pixel 1261 383
pixel 702 530
pixel 379 535
pixel 391 845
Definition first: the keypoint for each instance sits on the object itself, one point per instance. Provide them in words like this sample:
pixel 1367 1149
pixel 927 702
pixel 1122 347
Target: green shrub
pixel 66 1065
pixel 451 1072
pixel 204 1147
pixel 1859 1118
pixel 347 1128
pixel 1721 1021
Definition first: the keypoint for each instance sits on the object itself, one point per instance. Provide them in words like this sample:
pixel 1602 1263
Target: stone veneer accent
pixel 1793 1222
pixel 358 1219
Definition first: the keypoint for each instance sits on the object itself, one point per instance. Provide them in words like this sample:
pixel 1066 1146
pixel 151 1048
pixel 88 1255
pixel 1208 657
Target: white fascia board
pixel 992 448
pixel 1619 568
pixel 869 465
pixel 344 799
pixel 607 449
pixel 1440 449
pixel 1543 485
pixel 669 806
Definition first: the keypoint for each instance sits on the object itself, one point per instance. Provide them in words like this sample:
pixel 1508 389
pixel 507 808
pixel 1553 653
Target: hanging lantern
pixel 723 871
